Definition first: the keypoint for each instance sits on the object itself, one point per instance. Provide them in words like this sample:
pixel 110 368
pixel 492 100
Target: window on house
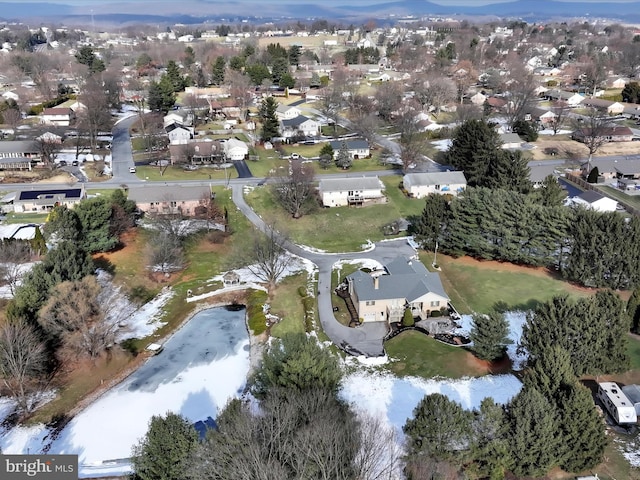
pixel 370 302
pixel 435 303
pixel 174 204
pixel 437 187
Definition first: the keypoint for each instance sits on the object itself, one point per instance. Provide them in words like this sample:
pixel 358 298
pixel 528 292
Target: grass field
pixel 25 217
pixel 337 229
pixel 153 173
pixel 480 286
pixel 419 355
pixel 287 304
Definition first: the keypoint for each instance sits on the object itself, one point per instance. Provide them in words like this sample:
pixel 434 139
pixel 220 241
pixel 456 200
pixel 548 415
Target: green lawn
pixel 337 229
pixel 287 304
pixel 25 217
pixel 419 355
pixel 481 286
pixel 174 172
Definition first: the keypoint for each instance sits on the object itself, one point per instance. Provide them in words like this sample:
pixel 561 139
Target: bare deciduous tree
pixel 49 149
pixel 561 111
pixel 435 93
pixel 22 361
pixel 379 457
pixel 591 130
pixel 12 117
pixel 412 140
pixel 521 93
pixel 13 255
pixel 96 116
pixel 294 191
pixel 267 257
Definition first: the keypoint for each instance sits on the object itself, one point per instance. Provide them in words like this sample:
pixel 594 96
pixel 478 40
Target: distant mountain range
pixel 198 11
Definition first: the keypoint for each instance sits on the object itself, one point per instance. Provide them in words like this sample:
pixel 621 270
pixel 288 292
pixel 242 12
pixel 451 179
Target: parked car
pixel 295 156
pixel 132 169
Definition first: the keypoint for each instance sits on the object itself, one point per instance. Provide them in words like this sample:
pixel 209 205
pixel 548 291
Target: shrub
pixel 435 313
pixel 131 345
pixel 302 291
pixel 140 294
pixel 255 313
pixel 407 319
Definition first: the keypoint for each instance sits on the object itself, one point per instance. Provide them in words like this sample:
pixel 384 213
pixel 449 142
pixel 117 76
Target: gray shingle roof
pixel 406 279
pixel 170 193
pixel 19 146
pixel 356 144
pixel 436 178
pixel 350 183
pixel 295 122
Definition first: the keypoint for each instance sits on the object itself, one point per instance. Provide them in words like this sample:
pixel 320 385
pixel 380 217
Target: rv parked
pixel 616 403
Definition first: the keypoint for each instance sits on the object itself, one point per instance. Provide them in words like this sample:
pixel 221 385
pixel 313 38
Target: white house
pixel 595 201
pixel 287 112
pixel 357 148
pixel 299 125
pixel 181 117
pixel 419 185
pixel 60 117
pixel 510 140
pixel 11 96
pixel 234 149
pixel 340 192
pixel 178 135
pixel 616 108
pixel 478 99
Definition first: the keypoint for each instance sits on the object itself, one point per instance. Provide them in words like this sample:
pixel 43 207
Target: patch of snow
pixel 146 320
pixel 548 131
pixel 442 145
pixel 393 399
pixel 5 290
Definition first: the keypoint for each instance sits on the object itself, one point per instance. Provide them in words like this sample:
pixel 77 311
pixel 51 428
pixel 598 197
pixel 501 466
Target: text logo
pixel 47 467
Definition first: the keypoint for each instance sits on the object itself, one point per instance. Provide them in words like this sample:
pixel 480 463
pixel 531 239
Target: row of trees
pixel 302 429
pixel 591 248
pixel 552 422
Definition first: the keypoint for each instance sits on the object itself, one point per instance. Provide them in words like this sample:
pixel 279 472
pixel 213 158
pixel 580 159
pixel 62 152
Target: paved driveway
pixel 366 339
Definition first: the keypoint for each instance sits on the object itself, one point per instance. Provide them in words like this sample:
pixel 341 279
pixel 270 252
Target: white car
pixel 132 169
pixel 295 156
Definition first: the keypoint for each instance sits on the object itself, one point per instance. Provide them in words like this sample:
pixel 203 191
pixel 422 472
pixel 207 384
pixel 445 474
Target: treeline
pixel 587 247
pixel 552 422
pixel 59 311
pixel 297 427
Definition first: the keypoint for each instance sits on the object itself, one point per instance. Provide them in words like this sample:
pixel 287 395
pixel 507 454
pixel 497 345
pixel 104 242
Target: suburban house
pixel 540 115
pixel 181 117
pixel 234 149
pixel 299 125
pixel 340 192
pixel 610 168
pixel 197 152
pixel 224 108
pixel 616 108
pixel 594 201
pixel 537 173
pixel 178 134
pixel 610 134
pixel 478 99
pixel 44 200
pixel 383 296
pixel 510 141
pixel 287 112
pixel 572 99
pixel 20 149
pixel 357 148
pixel 419 185
pixel 59 116
pixel 169 200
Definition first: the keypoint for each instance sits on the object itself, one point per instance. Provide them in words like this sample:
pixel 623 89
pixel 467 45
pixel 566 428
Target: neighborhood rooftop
pixel 434 178
pixel 351 183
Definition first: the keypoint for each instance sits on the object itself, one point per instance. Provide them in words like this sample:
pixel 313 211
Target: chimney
pixel 376 282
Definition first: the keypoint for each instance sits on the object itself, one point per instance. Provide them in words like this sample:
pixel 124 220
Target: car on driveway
pixel 132 169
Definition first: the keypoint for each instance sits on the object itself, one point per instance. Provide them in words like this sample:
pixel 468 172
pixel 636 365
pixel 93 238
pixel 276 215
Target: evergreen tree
pixel 161 97
pixel 279 68
pixel 430 225
pixel 68 262
pixel 343 158
pixel 633 310
pixel 534 442
pixel 631 92
pixel 440 428
pixel 526 130
pixel 325 161
pixel 296 363
pixel 217 71
pixel 407 318
pixel 550 373
pixel 164 453
pixel 64 223
pixel 581 429
pixel 87 56
pixel 287 81
pixel 593 175
pixel 489 335
pixel 327 149
pixel 270 126
pixel 508 170
pixel 38 243
pixel 473 146
pixel 551 193
pixel 174 77
pixel 201 79
pixel 490 451
pixel 95 217
pixel 188 56
pixel 257 72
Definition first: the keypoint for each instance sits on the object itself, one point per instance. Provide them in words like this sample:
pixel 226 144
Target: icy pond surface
pixel 202 366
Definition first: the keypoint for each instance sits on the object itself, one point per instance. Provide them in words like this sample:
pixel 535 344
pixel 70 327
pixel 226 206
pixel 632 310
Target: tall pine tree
pixel 269 119
pixel 489 335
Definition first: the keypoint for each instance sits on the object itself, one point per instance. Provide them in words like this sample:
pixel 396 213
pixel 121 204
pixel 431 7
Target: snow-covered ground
pixel 442 145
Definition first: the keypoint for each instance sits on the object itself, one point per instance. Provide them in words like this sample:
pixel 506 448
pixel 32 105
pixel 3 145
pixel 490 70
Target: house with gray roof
pixel 357 148
pixel 342 192
pixel 169 199
pixel 419 185
pixel 383 295
pixel 290 127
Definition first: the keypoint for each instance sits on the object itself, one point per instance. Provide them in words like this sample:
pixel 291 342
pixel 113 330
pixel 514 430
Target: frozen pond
pixel 202 366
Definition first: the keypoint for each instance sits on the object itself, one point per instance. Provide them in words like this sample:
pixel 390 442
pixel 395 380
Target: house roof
pixel 282 108
pixel 295 122
pixel 510 138
pixel 626 167
pixel 166 193
pixel 590 196
pixel 230 143
pixel 65 193
pixel 356 144
pixel 407 279
pixel 57 111
pixel 436 178
pixel 606 131
pixel 19 146
pixel 175 126
pixel 537 173
pixel 350 183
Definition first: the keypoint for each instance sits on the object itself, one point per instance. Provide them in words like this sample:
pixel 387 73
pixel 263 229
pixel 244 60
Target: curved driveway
pixel 366 339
